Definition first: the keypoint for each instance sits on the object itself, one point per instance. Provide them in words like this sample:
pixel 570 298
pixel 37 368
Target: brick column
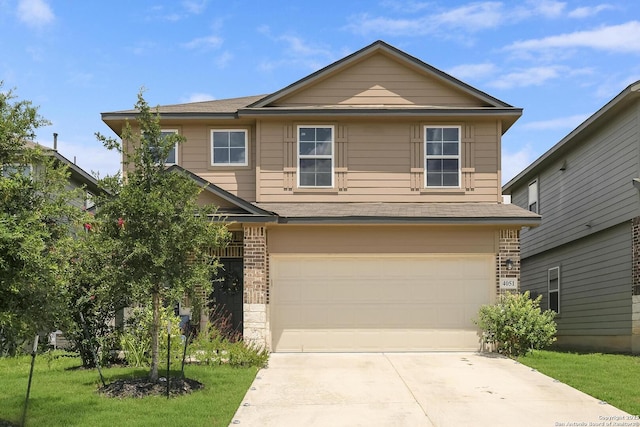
pixel 508 248
pixel 256 325
pixel 635 285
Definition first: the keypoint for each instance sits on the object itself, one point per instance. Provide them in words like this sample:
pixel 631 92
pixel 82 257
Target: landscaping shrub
pixel 136 338
pixel 516 324
pixel 212 347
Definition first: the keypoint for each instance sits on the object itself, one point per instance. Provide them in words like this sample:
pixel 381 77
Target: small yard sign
pixel 510 283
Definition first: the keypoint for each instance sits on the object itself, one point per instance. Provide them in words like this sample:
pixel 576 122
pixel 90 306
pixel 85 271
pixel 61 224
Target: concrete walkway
pixel 414 389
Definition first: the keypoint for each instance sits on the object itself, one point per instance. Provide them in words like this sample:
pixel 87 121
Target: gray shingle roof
pixel 405 212
pixel 230 105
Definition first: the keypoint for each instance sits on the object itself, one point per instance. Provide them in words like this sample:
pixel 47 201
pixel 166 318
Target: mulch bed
pixel 143 387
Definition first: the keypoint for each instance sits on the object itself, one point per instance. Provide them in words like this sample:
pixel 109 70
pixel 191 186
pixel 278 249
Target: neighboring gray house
pixel 585 257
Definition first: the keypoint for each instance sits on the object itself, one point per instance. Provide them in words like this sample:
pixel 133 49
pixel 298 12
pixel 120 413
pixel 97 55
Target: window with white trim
pixel 532 204
pixel 442 156
pixel 553 282
pixel 172 156
pixel 229 147
pixel 315 156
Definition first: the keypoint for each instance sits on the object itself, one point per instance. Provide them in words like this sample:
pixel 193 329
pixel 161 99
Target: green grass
pixel 63 396
pixel 614 378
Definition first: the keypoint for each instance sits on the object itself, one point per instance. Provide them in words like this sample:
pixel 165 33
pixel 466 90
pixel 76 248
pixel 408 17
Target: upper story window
pixel 532 204
pixel 9 170
pixel 229 147
pixel 172 157
pixel 553 281
pixel 442 156
pixel 315 156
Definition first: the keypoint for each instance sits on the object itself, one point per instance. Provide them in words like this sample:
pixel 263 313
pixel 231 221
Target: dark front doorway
pixel 226 298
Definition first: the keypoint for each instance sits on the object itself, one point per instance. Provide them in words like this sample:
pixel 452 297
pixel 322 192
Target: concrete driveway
pixel 414 389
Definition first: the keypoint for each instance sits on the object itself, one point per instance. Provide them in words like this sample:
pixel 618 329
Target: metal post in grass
pixel 33 361
pixel 187 335
pixel 93 350
pixel 168 353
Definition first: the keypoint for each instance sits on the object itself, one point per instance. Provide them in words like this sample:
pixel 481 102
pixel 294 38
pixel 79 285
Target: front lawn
pixel 62 395
pixel 613 378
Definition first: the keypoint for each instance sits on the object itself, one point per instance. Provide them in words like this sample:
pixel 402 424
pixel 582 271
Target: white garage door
pixel 378 303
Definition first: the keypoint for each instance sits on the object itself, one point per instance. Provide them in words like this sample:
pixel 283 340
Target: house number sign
pixel 509 283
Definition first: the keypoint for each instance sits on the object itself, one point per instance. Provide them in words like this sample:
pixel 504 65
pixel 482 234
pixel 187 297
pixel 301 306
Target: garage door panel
pixel 381 303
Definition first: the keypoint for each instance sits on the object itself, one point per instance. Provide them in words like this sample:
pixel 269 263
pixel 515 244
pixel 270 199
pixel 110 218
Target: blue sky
pixel 559 60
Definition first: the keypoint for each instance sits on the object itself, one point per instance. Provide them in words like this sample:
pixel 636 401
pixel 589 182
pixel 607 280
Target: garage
pixel 392 302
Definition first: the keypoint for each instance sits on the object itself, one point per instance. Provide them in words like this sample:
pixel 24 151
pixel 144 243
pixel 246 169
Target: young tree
pixel 161 236
pixel 37 223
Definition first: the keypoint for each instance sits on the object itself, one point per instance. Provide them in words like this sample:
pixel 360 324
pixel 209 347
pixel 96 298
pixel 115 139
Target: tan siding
pixel 380 239
pixel 195 155
pixel 380 164
pixel 380 80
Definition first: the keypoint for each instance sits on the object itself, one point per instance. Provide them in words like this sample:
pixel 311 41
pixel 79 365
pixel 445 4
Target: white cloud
pixel 195 7
pixel 587 11
pixel 614 38
pixel 206 43
pixel 468 18
pixel 569 122
pixel 514 162
pixel 35 13
pixel 547 8
pixel 534 76
pixel 223 60
pixel 298 52
pixel 473 71
pixel 199 97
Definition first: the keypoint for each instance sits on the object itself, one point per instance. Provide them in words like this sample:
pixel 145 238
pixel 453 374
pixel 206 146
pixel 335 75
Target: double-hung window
pixel 315 156
pixel 533 197
pixel 229 147
pixel 553 281
pixel 442 156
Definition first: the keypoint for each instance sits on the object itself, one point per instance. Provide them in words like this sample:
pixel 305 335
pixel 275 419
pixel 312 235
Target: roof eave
pixel 629 93
pixel 506 221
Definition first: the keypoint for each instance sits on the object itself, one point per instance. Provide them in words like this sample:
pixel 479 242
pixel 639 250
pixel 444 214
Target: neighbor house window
pixel 9 170
pixel 229 147
pixel 553 280
pixel 442 156
pixel 315 156
pixel 533 197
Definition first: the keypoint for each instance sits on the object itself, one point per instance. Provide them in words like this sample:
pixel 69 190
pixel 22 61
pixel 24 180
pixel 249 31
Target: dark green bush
pixel 516 324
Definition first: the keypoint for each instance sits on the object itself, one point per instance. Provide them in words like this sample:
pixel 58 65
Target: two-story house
pixel 365 201
pixel 585 256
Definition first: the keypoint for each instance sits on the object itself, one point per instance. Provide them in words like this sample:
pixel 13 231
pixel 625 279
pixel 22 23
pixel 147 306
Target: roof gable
pixel 230 205
pixel 379 74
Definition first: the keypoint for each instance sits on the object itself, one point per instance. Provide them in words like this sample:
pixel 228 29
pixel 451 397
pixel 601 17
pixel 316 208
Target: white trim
pixel 229 164
pixel 457 157
pixel 536 195
pixel 175 147
pixel 316 156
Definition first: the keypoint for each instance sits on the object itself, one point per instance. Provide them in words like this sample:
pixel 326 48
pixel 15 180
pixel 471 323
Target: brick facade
pixel 635 260
pixel 255 292
pixel 635 288
pixel 508 248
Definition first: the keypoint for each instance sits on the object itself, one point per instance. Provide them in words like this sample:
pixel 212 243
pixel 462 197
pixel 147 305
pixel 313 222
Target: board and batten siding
pixel 592 193
pixel 377 162
pixel 380 80
pixel 595 283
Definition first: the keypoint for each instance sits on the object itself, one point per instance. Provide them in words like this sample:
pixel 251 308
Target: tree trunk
pixel 155 339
